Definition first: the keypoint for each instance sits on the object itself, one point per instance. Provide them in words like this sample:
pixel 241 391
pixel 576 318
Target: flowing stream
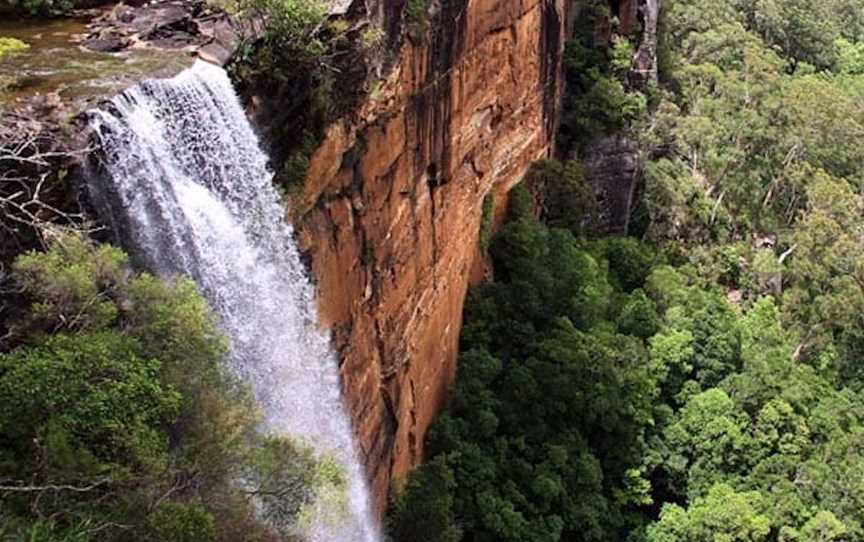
pixel 188 188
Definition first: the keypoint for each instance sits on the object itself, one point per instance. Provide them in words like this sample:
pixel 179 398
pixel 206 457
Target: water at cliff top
pixel 189 187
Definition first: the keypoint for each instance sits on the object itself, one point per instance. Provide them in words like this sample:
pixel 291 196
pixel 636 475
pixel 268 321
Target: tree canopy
pixel 120 419
pixel 703 380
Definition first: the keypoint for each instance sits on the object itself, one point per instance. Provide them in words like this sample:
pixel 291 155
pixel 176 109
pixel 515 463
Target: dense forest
pixel 700 379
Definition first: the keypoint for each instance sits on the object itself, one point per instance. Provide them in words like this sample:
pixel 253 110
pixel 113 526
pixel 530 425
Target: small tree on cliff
pixel 424 510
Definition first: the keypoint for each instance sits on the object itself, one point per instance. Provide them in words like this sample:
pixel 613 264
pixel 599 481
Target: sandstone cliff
pixel 392 205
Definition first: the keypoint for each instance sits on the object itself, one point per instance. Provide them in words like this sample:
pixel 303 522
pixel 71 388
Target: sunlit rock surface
pixel 393 203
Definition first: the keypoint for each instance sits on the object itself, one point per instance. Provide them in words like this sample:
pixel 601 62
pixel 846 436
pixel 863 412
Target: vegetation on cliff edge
pixel 119 418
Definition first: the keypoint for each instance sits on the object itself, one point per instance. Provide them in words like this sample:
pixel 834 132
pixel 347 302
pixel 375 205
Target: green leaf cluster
pixel 291 23
pixel 40 8
pixel 565 199
pixel 120 419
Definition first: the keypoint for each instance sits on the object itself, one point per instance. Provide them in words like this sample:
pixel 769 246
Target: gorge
pixel 432 271
pixel 387 218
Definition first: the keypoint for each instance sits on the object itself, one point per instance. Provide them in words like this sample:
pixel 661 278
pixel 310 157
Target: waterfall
pixel 187 186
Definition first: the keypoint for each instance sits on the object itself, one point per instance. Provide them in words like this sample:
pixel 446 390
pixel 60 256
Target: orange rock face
pixel 392 205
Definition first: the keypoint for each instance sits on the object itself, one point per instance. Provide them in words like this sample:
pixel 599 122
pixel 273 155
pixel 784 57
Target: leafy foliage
pixel 417 17
pixel 182 522
pixel 118 416
pixel 43 8
pixel 722 515
pixel 604 394
pixel 748 123
pixel 565 198
pixel 425 512
pixel 308 68
pixel 486 219
pixel 754 170
pixel 599 96
pixel 292 23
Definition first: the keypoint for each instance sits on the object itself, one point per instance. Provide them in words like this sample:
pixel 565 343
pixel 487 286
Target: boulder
pixel 107 45
pixel 166 24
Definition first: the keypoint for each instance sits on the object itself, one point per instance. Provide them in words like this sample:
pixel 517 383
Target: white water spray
pixel 188 186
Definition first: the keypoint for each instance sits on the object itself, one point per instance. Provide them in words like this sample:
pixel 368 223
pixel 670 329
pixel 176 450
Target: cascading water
pixel 188 187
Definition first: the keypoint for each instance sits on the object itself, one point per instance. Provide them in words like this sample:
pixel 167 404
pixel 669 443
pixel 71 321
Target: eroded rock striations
pixel 392 205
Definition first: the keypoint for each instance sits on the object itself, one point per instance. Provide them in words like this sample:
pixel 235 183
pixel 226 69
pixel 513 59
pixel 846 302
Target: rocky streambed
pixel 71 65
pixel 97 53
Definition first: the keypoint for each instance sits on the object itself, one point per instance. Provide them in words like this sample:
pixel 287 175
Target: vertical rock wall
pixel 612 161
pixel 391 210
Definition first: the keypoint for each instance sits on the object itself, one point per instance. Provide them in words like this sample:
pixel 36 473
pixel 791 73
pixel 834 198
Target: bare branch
pixel 53 487
pixel 108 525
pixel 32 159
pixel 786 254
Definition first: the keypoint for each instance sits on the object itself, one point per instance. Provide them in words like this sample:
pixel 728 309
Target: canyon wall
pixel 391 209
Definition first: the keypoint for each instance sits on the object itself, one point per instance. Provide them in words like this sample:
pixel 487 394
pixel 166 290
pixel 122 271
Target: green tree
pixel 805 31
pixel 291 22
pixel 710 442
pixel 824 527
pixel 181 522
pixel 639 316
pixel 723 515
pixel 119 416
pixel 424 511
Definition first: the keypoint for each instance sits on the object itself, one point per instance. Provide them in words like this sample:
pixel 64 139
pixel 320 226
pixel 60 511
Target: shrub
pixel 372 37
pixel 181 522
pixel 79 399
pixel 567 199
pixel 599 96
pixel 71 286
pixel 423 512
pixel 45 8
pixel 417 17
pixel 630 262
pixel 639 317
pixel 290 22
pixel 486 221
pixel 43 531
pixel 521 203
pixel 119 386
pixel 281 474
pixel 294 170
